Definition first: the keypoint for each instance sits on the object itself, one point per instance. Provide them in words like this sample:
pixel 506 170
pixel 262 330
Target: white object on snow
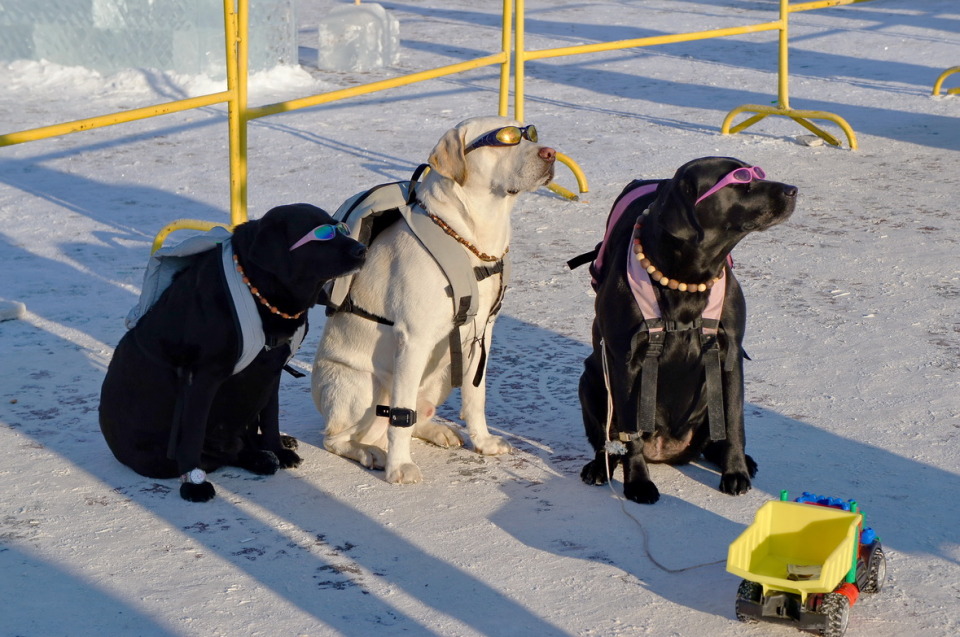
pixel 10 310
pixel 358 37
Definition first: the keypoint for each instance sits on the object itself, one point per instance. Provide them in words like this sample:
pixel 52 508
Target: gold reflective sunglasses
pixel 506 136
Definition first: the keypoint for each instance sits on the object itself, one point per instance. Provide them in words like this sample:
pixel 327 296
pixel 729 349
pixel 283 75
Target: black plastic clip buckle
pixel 398 417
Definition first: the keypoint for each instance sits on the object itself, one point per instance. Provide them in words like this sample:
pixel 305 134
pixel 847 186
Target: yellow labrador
pixel 477 171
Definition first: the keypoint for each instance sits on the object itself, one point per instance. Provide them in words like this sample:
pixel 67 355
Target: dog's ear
pixel 676 209
pixel 447 157
pixel 262 249
pixel 267 241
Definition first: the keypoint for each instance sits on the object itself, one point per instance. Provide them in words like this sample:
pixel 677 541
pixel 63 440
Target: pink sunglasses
pixel 322 233
pixel 737 176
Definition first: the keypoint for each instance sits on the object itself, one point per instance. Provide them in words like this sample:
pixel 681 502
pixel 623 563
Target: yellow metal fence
pixel 236 23
pixel 760 112
pixel 939 83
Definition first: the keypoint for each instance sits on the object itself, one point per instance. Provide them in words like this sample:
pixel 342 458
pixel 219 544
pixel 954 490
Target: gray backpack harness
pixel 167 262
pixel 369 213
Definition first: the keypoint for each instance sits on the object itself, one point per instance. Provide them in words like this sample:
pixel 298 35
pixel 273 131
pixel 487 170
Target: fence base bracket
pixel 800 117
pixel 943 76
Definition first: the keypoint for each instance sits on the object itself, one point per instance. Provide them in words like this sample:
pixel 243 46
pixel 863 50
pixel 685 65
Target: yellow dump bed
pixel 794 547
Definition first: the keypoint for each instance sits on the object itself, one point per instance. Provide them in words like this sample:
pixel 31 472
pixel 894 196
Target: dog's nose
pixel 790 191
pixel 548 154
pixel 359 251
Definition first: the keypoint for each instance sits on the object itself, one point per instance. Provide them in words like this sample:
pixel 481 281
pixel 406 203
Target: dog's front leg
pixel 637 485
pixel 195 397
pixel 410 363
pixel 474 404
pixel 736 467
pixel 272 451
pixel 626 376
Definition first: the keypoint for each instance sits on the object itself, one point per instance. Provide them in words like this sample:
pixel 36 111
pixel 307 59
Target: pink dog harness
pixel 643 293
pixel 640 283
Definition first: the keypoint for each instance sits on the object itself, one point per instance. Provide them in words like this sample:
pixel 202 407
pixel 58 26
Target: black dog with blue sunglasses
pixel 670 319
pixel 175 401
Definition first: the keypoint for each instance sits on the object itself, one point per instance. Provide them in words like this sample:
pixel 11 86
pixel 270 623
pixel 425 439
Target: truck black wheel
pixel 836 608
pixel 877 572
pixel 749 591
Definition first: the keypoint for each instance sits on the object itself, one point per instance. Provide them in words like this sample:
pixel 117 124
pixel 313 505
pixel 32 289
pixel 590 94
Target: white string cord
pixel 606 455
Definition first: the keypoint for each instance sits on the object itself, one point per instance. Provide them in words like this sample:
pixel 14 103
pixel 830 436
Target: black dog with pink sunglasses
pixel 175 401
pixel 670 319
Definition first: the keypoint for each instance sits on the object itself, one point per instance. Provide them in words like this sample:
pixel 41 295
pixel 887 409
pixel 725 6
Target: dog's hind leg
pixel 369 456
pixel 595 472
pixel 364 442
pixel 347 397
pixel 432 432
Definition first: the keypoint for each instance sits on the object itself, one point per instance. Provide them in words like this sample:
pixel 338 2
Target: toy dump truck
pixel 805 563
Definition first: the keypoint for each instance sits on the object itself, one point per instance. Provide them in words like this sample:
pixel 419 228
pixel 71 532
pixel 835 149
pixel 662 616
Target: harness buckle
pixel 655 341
pixel 709 341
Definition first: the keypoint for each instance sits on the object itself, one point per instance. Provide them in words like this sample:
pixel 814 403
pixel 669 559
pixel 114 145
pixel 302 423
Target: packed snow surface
pixel 853 389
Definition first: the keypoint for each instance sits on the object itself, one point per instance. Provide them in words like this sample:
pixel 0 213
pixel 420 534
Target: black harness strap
pixel 456 351
pixel 485 272
pixel 349 306
pixel 714 383
pixel 649 375
pixel 293 371
pixel 414 179
pixel 583 259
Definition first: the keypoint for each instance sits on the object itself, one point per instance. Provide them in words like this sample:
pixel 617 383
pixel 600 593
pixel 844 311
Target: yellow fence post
pixel 235 26
pixel 241 61
pixel 520 56
pixel 939 83
pixel 506 40
pixel 783 99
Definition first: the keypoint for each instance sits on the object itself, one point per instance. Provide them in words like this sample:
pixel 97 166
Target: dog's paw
pixel 440 435
pixel 264 463
pixel 492 446
pixel 289 459
pixel 371 457
pixel 735 483
pixel 594 473
pixel 751 466
pixel 289 442
pixel 407 473
pixel 644 492
pixel 202 492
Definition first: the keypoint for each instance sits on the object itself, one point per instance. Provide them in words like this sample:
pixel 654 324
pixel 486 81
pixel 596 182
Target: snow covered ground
pixel 854 332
